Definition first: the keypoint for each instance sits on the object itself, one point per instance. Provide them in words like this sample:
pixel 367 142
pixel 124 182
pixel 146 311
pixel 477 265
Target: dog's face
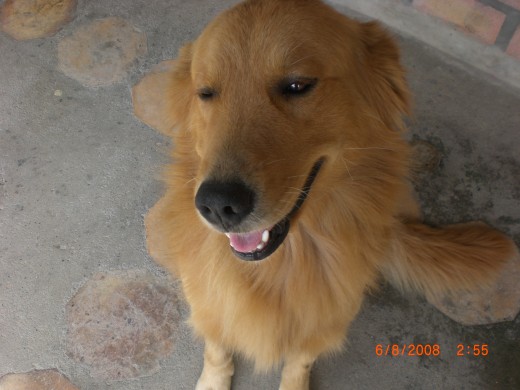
pixel 272 94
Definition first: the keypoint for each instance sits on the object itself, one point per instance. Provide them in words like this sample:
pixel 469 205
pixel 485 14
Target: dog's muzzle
pixel 226 204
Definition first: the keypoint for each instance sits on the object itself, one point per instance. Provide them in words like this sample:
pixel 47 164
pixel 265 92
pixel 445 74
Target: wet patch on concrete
pixel 470 184
pixel 499 368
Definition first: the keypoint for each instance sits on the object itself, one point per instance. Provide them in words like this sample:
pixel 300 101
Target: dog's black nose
pixel 225 204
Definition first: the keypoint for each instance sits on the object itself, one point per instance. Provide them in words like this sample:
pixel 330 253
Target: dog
pixel 289 193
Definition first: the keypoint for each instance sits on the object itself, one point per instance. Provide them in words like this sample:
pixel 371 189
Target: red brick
pixel 469 15
pixel 512 3
pixel 514 45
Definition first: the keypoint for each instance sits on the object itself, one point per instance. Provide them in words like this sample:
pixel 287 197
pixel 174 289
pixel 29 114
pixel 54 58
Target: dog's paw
pixel 207 382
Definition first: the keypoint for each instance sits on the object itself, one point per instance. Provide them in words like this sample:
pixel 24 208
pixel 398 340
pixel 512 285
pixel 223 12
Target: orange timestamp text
pixel 429 350
pixel 408 350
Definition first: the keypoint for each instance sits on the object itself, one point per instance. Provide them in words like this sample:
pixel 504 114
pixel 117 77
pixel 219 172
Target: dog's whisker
pixel 255 218
pixel 275 161
pixel 296 46
pixel 347 168
pixel 285 159
pixel 301 59
pixel 371 116
pixel 371 147
pixel 189 181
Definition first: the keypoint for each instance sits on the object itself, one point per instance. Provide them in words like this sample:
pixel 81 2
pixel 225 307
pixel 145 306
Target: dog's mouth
pixel 259 244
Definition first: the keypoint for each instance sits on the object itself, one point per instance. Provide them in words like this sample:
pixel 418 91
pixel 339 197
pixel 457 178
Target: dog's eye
pixel 206 93
pixel 297 87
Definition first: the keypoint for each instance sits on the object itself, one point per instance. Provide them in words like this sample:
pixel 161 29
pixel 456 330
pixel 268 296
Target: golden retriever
pixel 289 195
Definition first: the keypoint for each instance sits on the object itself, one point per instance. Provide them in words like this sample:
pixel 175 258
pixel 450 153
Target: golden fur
pixel 359 220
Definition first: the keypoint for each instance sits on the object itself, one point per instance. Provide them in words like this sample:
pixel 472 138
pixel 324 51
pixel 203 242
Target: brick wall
pixel 492 22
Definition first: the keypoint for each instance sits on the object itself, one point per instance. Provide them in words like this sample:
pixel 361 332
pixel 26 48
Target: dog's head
pixel 270 96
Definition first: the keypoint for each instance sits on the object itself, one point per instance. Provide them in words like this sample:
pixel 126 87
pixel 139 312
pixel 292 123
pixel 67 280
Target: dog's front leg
pixel 218 368
pixel 296 372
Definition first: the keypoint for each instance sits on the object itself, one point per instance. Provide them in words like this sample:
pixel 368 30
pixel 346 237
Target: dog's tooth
pixel 260 246
pixel 265 236
pixel 227 235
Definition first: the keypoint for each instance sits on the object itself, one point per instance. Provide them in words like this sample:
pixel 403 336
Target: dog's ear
pixel 180 93
pixel 388 92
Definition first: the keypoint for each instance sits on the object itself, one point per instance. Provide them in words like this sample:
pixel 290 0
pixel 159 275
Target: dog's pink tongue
pixel 245 242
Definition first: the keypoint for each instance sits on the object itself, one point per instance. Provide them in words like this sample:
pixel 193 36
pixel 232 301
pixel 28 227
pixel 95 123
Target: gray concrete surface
pixel 79 171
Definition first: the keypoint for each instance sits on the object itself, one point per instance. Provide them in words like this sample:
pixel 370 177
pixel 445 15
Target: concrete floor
pixel 78 172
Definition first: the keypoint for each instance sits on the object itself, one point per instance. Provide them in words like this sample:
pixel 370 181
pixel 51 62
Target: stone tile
pixel 36 380
pixel 102 52
pixel 150 98
pixel 29 19
pixel 122 323
pixel 500 302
